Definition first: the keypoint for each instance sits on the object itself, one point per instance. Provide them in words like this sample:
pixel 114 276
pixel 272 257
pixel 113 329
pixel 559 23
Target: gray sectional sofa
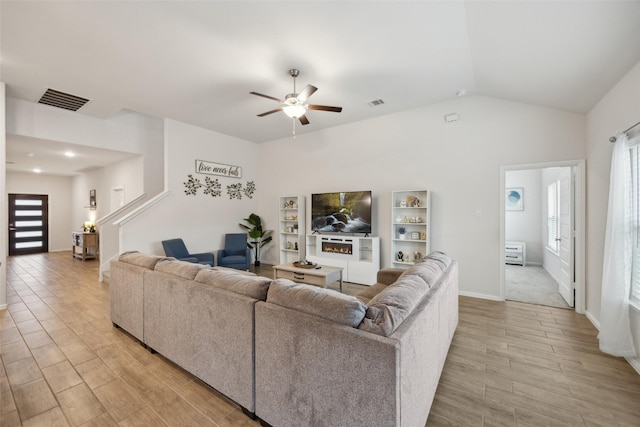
pixel 295 354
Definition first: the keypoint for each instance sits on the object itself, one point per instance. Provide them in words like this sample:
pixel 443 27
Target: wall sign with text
pixel 210 168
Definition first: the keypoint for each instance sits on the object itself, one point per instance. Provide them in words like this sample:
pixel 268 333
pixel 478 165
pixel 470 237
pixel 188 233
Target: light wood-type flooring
pixel 63 363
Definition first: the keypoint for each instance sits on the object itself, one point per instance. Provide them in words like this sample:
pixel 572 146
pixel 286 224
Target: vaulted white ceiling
pixel 196 62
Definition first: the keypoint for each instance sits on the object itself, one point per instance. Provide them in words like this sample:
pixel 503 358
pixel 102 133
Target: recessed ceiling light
pixel 36 170
pixel 30 154
pixel 462 92
pixel 69 154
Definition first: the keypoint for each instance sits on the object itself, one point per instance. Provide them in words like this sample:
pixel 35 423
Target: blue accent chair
pixel 176 248
pixel 235 254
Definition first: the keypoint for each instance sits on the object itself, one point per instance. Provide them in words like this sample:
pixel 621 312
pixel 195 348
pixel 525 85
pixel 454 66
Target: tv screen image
pixel 341 212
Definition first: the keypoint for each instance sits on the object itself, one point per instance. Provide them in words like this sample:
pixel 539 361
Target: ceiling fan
pixel 294 104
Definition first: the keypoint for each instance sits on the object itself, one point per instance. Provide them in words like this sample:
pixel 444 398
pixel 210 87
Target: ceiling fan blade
pixel 270 112
pixel 306 93
pixel 265 96
pixel 324 108
pixel 303 119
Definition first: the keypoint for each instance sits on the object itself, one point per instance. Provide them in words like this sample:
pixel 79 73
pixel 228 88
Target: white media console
pixel 358 256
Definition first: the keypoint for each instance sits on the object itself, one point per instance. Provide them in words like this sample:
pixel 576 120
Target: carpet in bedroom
pixel 532 285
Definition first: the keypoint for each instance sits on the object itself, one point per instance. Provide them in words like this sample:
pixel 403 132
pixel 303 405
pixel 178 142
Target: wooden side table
pixel 84 245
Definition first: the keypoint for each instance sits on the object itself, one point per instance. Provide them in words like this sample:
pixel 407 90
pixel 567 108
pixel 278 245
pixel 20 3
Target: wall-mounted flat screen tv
pixel 341 212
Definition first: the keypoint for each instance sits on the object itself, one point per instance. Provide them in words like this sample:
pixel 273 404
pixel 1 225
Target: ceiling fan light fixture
pixel 294 111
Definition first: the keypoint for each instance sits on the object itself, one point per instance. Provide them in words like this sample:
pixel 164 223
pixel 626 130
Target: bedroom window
pixel 553 217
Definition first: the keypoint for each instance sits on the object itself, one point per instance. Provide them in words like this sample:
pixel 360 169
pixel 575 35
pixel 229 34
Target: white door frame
pixel 580 223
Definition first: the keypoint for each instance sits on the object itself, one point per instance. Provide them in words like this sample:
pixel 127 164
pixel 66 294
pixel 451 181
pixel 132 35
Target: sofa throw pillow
pixel 320 302
pixel 140 259
pixel 235 281
pixel 185 270
pixel 387 310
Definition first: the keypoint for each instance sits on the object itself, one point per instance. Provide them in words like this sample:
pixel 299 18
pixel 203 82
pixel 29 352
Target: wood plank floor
pixel 63 363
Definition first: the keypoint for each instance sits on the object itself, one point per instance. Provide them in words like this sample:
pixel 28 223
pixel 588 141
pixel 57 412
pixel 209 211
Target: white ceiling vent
pixel 375 102
pixel 59 99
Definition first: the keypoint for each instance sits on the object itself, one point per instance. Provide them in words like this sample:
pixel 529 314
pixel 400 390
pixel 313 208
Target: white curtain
pixel 615 329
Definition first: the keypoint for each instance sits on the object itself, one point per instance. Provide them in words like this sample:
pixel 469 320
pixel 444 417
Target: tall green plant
pixel 258 236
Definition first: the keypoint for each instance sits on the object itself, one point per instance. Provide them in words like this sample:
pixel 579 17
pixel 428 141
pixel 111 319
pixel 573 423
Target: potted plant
pixel 401 233
pixel 258 236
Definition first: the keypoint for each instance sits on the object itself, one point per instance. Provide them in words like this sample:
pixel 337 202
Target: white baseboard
pixel 481 296
pixel 634 362
pixel 592 320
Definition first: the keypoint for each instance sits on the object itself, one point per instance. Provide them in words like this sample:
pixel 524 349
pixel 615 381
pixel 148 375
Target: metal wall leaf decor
pixel 213 188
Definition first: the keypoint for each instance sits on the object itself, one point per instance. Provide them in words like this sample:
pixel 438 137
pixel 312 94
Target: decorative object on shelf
pixel 89 227
pixel 295 246
pixel 401 233
pixel 423 236
pixel 259 237
pixel 415 235
pixel 92 199
pixel 398 218
pixel 400 256
pixel 403 203
pixel 304 264
pixel 287 245
pixel 413 202
pixel 290 204
pixel 417 256
pixel 514 199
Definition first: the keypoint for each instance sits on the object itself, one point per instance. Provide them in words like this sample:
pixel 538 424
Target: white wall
pixel 459 161
pixel 128 174
pixel 526 225
pixel 200 220
pixel 618 110
pixel 3 211
pixel 128 131
pixel 58 188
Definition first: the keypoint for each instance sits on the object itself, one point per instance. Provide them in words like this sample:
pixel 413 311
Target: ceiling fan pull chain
pixel 294 127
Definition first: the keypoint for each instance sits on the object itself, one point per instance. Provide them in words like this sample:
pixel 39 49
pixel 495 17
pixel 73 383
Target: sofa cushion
pixel 441 257
pixel 233 270
pixel 185 270
pixel 387 310
pixel 140 259
pixel 236 281
pixel 370 291
pixel 325 303
pixel 429 271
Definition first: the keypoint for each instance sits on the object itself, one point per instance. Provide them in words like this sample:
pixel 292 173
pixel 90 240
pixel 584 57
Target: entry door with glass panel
pixel 28 224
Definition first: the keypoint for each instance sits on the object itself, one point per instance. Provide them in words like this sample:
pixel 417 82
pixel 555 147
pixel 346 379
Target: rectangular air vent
pixel 376 102
pixel 59 99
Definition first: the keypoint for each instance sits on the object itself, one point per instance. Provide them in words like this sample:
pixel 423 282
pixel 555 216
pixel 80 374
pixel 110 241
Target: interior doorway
pixel 542 234
pixel 28 224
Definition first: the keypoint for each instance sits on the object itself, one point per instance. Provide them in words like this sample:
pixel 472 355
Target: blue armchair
pixel 235 254
pixel 176 248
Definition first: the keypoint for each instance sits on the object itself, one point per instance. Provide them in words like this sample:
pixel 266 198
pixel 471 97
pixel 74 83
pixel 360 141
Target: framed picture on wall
pixel 514 199
pixel 92 199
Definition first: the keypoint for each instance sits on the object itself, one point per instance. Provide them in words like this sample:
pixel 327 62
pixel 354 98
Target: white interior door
pixel 566 284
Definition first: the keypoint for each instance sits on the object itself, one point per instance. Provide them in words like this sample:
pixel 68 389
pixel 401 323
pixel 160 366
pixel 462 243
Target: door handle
pixel 13 229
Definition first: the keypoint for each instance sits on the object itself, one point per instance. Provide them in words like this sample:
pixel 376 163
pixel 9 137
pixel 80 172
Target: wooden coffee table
pixel 321 275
